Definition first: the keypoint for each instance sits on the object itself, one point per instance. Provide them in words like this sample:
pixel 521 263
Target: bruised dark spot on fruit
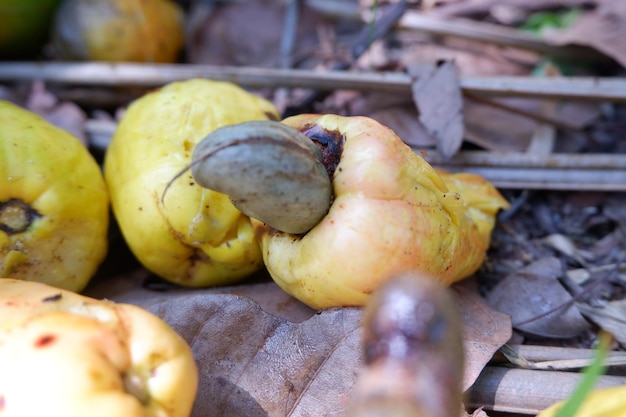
pixel 16 216
pixel 330 143
pixel 45 340
pixel 52 298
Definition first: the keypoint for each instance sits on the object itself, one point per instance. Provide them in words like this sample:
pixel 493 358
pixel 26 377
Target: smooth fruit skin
pixel 63 354
pixel 392 213
pixel 51 171
pixel 195 237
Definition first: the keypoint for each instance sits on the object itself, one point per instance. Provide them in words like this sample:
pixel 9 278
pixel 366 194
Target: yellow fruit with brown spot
pixel 64 354
pixel 193 237
pixel 54 205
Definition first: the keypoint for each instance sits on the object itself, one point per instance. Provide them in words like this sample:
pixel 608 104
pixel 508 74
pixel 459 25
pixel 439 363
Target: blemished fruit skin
pixel 54 204
pixel 63 354
pixel 392 212
pixel 190 236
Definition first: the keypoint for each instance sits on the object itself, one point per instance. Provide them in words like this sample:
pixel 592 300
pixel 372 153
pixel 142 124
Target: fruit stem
pixel 16 216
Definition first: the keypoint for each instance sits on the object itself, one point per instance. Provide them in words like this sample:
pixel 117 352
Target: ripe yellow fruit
pixel 119 30
pixel 54 211
pixel 194 236
pixel 391 213
pixel 64 354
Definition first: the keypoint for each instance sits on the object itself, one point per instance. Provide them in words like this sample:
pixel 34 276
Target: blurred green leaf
pixel 540 21
pixel 591 374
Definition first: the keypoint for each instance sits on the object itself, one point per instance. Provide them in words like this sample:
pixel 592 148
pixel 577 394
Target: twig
pixel 528 114
pixel 527 391
pixel 154 75
pixel 555 359
pixel 516 170
pixel 494 34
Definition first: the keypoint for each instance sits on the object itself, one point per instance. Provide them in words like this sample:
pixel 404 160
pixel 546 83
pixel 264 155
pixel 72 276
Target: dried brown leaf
pixel 437 94
pixel 485 331
pixel 603 29
pixel 610 317
pixel 534 292
pixel 252 363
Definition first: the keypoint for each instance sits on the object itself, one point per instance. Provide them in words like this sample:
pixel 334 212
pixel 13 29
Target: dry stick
pixel 154 75
pixel 526 391
pixel 559 357
pixel 527 171
pixel 528 114
pixel 581 360
pixel 493 34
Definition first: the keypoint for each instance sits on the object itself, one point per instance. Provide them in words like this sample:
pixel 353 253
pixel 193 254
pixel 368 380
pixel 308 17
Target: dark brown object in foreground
pixel 413 351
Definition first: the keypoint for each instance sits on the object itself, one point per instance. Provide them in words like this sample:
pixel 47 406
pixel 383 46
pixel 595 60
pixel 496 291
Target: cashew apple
pixel 390 212
pixel 54 204
pixel 191 236
pixel 63 354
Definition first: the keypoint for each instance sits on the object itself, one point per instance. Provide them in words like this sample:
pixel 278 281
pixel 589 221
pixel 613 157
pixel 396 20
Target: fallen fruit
pixel 118 30
pixel 63 354
pixel 413 351
pixel 54 205
pixel 390 212
pixel 193 236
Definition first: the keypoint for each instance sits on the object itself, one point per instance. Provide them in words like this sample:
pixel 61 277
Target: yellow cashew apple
pixel 391 213
pixel 119 30
pixel 340 204
pixel 191 236
pixel 54 205
pixel 64 354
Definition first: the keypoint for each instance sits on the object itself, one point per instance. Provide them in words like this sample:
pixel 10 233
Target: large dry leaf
pixel 535 293
pixel 255 364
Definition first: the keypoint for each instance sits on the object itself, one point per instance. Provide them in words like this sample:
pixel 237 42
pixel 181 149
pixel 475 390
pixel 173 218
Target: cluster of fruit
pixel 332 206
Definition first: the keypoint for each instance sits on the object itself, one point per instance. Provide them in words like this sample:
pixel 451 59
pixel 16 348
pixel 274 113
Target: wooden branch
pixel 154 75
pixel 494 34
pixel 526 391
pixel 512 170
pixel 555 358
pixel 515 170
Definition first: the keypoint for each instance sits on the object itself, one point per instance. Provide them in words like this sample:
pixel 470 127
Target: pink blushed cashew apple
pixel 389 210
pixel 64 354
